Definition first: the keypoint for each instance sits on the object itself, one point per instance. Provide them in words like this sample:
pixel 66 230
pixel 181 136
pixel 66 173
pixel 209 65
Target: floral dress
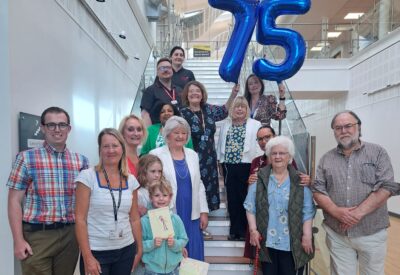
pixel 203 128
pixel 267 109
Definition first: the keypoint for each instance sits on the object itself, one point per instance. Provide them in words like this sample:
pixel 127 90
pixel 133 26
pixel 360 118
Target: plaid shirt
pixel 48 177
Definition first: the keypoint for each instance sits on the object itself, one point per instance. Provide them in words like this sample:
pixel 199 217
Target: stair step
pixel 227 260
pixel 230 269
pixel 223 248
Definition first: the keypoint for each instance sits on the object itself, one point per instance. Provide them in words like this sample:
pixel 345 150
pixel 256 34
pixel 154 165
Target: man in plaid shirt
pixel 41 200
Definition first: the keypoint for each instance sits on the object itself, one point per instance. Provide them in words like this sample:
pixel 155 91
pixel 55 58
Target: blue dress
pixel 195 246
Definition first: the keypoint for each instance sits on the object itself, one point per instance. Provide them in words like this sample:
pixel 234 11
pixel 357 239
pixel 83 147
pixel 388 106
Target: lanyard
pixel 112 194
pixel 170 93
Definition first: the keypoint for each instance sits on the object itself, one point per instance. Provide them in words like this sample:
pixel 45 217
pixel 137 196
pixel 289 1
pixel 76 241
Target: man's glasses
pixel 264 138
pixel 346 127
pixel 52 126
pixel 164 68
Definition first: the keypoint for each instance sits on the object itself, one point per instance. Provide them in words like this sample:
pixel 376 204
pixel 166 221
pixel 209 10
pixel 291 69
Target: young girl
pixel 162 256
pixel 149 170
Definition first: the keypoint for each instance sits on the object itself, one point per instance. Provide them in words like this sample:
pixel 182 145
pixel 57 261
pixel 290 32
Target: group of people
pixel 58 205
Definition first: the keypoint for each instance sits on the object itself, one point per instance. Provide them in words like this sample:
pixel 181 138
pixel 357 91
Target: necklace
pixel 183 165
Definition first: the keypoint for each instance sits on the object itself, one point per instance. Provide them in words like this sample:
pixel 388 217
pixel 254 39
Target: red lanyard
pixel 170 93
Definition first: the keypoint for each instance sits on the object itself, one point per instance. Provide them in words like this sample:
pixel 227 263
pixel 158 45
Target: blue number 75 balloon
pixel 291 41
pixel 245 12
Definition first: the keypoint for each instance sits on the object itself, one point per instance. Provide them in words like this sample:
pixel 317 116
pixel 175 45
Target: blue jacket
pixel 163 259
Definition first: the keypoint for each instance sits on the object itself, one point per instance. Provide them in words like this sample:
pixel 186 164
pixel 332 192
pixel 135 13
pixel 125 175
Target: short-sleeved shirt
pixel 48 177
pixel 100 218
pixel 348 181
pixel 155 96
pixel 182 77
pixel 234 144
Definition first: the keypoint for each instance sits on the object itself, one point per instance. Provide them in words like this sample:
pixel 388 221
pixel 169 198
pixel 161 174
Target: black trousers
pixel 282 264
pixel 236 176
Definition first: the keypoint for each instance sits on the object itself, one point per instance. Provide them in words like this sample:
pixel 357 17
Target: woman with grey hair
pixel 181 169
pixel 236 150
pixel 280 210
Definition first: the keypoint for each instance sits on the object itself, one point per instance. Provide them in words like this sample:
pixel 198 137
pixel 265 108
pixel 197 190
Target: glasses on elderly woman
pixel 279 154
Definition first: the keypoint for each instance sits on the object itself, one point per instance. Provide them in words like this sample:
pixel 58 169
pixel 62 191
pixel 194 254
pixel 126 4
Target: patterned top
pixel 267 109
pixel 48 178
pixel 278 224
pixel 235 143
pixel 160 140
pixel 348 181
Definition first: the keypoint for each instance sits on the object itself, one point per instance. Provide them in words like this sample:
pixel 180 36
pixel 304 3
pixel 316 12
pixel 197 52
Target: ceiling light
pixel 316 49
pixel 334 34
pixel 354 15
pixel 323 44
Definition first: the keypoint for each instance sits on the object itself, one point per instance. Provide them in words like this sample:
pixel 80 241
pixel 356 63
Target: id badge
pixel 174 102
pixel 117 233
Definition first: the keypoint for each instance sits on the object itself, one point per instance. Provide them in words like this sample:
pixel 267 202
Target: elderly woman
pixel 132 129
pixel 236 149
pixel 280 210
pixel 264 107
pixel 155 138
pixel 181 169
pixel 107 220
pixel 181 75
pixel 201 118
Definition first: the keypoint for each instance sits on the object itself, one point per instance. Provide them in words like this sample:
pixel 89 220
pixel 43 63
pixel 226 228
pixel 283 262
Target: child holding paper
pixel 162 256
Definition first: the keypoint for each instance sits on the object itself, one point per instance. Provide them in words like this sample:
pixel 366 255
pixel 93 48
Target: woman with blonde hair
pixel 236 150
pixel 132 129
pixel 108 226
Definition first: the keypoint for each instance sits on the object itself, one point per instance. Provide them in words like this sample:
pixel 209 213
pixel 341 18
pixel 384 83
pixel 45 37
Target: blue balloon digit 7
pixel 245 12
pixel 291 41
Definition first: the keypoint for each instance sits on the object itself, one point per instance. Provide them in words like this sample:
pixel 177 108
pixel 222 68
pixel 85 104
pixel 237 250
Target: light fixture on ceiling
pixel 101 1
pixel 316 49
pixel 121 34
pixel 334 34
pixel 353 15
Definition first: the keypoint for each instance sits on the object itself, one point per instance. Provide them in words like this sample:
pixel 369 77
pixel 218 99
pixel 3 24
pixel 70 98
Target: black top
pixel 156 95
pixel 181 77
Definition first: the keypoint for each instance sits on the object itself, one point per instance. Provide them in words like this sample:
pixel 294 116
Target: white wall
pixel 377 104
pixel 59 55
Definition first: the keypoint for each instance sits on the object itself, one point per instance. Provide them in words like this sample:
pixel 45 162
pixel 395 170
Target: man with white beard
pixel 353 183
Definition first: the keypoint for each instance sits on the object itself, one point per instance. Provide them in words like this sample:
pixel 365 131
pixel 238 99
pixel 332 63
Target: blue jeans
pixel 113 262
pixel 174 272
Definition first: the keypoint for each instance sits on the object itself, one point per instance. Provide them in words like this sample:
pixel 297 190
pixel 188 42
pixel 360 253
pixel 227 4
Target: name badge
pixel 117 233
pixel 174 102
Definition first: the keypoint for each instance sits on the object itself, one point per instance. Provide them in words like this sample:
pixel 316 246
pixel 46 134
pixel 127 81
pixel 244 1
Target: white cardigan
pixel 199 201
pixel 251 148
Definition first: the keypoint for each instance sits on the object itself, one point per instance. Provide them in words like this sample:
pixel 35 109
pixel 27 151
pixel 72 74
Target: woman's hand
pixel 203 220
pixel 282 89
pixel 92 266
pixel 137 260
pixel 255 238
pixel 305 180
pixel 235 90
pixel 142 210
pixel 306 243
pixel 252 178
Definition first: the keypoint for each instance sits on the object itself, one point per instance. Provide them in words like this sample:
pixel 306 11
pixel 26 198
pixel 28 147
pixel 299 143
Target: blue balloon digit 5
pixel 245 13
pixel 291 41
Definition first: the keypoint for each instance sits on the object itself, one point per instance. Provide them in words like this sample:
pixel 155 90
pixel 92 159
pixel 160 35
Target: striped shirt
pixel 348 181
pixel 48 178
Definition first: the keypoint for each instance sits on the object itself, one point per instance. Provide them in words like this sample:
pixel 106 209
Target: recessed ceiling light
pixel 333 34
pixel 353 15
pixel 316 49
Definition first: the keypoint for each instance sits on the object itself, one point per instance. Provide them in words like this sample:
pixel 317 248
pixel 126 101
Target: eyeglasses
pixel 52 126
pixel 344 127
pixel 164 68
pixel 276 154
pixel 264 138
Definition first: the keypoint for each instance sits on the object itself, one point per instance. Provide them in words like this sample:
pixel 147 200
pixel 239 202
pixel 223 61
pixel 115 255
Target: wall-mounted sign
pixel 201 51
pixel 30 135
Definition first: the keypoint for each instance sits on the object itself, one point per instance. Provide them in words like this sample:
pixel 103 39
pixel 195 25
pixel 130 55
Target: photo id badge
pixel 174 102
pixel 116 234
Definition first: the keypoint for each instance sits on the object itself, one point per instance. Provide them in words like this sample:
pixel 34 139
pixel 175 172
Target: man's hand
pixel 22 250
pixel 345 215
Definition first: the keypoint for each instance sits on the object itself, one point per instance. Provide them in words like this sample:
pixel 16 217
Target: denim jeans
pixel 114 262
